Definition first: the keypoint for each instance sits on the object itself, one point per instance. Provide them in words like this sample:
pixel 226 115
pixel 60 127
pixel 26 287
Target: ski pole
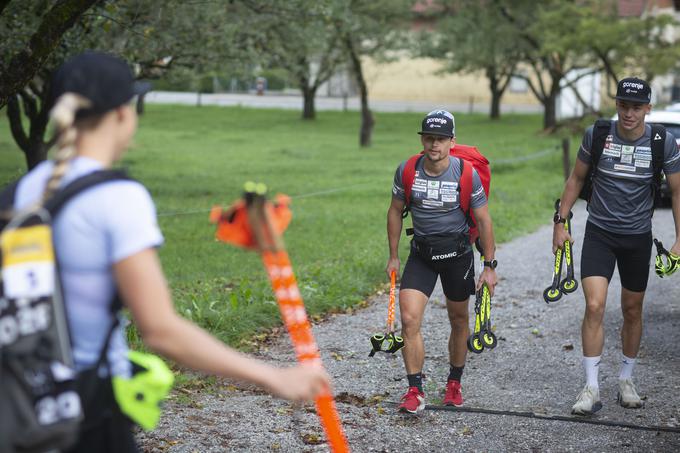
pixel 569 284
pixel 256 223
pixel 388 342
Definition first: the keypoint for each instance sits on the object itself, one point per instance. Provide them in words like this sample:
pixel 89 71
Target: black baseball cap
pixel 633 89
pixel 439 122
pixel 103 79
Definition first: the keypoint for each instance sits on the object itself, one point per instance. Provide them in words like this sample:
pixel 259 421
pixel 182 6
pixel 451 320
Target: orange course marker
pixel 257 224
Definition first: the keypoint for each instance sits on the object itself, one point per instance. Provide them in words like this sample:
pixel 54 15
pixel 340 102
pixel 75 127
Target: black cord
pixel 562 418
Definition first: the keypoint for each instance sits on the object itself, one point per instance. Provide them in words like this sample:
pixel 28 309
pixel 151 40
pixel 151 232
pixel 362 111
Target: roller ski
pixel 665 263
pixel 569 284
pixel 388 342
pixel 482 337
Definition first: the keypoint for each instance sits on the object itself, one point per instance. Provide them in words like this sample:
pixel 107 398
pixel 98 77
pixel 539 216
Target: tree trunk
pixel 308 110
pixel 495 113
pixel 35 110
pixel 24 65
pixel 496 93
pixel 550 110
pixel 367 120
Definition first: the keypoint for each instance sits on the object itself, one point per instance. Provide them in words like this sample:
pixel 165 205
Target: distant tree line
pixel 308 41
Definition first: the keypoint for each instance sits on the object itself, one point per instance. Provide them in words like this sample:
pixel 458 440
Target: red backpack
pixel 470 158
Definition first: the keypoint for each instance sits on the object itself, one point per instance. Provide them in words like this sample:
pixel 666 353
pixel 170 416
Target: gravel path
pixel 536 367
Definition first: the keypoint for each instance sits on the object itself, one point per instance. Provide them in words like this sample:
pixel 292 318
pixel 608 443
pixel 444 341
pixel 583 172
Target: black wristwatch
pixel 557 218
pixel 492 264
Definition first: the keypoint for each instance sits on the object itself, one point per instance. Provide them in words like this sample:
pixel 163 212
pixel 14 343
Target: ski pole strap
pixel 665 263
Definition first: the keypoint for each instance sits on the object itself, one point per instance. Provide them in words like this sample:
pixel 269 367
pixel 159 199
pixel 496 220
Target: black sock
pixel 455 372
pixel 415 380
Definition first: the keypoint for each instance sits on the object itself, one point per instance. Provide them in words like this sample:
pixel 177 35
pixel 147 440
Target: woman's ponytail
pixel 63 114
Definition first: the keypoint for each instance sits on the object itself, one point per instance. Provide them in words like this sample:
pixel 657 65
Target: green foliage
pixel 193 158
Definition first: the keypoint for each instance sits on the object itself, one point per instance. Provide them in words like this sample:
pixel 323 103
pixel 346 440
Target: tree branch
pixel 3 4
pixel 15 124
pixel 23 66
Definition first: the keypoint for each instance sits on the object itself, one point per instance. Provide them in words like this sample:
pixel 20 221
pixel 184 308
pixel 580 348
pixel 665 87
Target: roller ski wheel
pixel 569 286
pixel 551 295
pixel 488 339
pixel 474 344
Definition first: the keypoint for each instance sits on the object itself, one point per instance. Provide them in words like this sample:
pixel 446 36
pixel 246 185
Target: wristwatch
pixel 557 218
pixel 492 264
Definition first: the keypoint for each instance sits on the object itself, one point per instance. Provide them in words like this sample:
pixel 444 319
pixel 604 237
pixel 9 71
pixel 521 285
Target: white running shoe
pixel 628 396
pixel 588 401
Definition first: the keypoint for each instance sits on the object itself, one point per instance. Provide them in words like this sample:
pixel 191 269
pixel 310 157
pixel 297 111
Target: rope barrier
pixel 561 418
pixel 333 190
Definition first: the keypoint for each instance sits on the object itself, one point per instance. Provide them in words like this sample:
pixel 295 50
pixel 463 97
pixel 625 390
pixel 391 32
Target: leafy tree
pixel 563 35
pixel 471 37
pixel 298 36
pixel 371 29
pixel 155 36
pixel 624 46
pixel 29 37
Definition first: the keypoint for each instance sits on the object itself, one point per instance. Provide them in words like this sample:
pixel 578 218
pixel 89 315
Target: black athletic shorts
pixel 457 275
pixel 631 252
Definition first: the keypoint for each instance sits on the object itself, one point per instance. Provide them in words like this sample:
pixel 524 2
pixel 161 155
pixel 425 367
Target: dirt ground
pixel 536 368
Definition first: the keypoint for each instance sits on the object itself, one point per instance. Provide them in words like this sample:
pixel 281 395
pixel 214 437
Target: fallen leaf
pixel 312 439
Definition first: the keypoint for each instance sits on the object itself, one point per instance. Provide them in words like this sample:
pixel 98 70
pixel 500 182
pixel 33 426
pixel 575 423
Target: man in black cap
pixel 619 163
pixel 440 248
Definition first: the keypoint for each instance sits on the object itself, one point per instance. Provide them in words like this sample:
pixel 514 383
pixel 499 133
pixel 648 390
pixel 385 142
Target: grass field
pixel 192 158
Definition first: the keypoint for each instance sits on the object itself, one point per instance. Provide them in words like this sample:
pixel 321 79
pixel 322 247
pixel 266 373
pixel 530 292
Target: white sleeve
pixel 131 222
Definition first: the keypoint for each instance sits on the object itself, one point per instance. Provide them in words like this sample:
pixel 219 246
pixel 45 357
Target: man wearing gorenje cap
pixel 440 249
pixel 623 155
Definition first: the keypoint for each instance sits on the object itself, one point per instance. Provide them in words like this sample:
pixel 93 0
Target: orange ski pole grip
pixel 257 224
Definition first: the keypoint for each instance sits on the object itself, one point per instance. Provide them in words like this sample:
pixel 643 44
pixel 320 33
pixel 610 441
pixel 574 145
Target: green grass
pixel 193 158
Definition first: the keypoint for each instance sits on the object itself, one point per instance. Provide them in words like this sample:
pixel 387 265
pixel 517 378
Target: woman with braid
pixel 106 240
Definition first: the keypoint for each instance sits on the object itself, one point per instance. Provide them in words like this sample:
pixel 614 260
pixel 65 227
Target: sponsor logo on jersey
pixel 642 155
pixel 433 203
pixel 433 194
pixel 624 168
pixel 627 149
pixel 642 163
pixel 627 159
pixel 611 152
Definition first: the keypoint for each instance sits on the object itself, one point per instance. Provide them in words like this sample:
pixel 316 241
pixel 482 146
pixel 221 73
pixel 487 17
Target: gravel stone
pixel 535 367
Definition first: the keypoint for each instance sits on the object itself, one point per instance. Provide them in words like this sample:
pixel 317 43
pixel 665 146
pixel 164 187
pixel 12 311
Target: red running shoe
pixel 413 401
pixel 453 396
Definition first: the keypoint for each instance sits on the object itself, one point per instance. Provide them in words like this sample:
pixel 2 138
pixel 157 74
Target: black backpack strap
pixel 600 133
pixel 7 203
pixel 658 146
pixel 7 196
pixel 57 201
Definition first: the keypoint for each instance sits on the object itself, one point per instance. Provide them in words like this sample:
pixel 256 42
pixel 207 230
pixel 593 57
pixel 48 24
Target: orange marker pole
pixel 258 224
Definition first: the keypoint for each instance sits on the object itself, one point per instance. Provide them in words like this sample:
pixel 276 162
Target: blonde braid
pixel 64 114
